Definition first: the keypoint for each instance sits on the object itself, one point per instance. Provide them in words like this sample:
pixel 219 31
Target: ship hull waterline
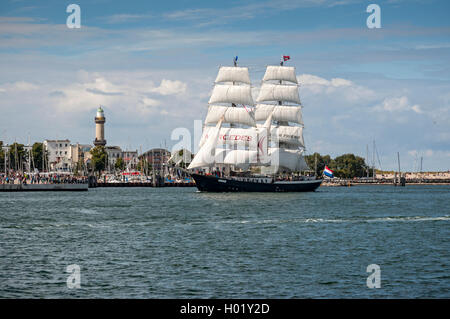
pixel 213 183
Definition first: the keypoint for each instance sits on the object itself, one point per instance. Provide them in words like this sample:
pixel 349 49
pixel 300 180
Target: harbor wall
pixel 145 185
pixel 42 187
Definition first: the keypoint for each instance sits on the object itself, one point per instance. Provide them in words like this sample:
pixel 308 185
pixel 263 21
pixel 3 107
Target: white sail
pixel 241 158
pixel 280 73
pixel 205 156
pixel 281 159
pixel 292 135
pixel 278 92
pixel 237 94
pixel 232 136
pixel 263 141
pixel 237 115
pixel 233 74
pixel 279 113
pixel 242 147
pixel 303 165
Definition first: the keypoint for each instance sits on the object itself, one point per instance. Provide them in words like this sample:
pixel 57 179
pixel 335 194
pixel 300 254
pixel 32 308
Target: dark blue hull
pixel 218 184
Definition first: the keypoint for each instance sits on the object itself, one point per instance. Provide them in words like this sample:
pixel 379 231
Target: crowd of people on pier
pixel 39 178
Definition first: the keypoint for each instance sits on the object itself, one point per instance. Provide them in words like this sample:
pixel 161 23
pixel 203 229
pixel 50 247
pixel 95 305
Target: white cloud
pixel 134 95
pixel 119 91
pixel 20 86
pixel 311 80
pixel 429 153
pixel 168 87
pixel 340 87
pixel 150 102
pixel 122 18
pixel 337 82
pixel 416 108
pixel 249 10
pixel 397 104
pixel 146 106
pixel 314 80
pixel 413 153
pixel 86 95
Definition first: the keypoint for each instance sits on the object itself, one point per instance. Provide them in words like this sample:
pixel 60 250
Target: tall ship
pixel 248 147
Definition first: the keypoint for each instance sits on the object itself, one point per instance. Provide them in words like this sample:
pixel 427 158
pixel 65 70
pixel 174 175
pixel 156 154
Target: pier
pixel 43 187
pixel 145 184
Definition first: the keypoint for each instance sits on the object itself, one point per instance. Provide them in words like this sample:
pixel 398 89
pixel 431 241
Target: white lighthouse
pixel 100 128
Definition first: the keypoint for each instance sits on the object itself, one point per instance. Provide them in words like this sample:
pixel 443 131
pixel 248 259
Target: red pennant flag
pixel 286 57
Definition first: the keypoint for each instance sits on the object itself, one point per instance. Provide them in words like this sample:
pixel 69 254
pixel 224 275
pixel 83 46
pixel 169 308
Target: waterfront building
pixel 100 128
pixel 80 152
pixel 131 159
pixel 113 153
pixel 157 157
pixel 59 154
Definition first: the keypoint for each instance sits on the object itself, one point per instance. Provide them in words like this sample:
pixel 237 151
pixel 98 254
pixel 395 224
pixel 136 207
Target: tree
pixel 349 166
pixel 322 161
pixel 37 153
pixel 344 166
pixel 120 164
pixel 98 160
pixel 79 168
pixel 17 156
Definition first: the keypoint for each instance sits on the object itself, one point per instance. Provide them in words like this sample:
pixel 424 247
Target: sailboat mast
pixel 315 164
pixel 373 160
pixel 367 157
pixel 234 83
pixel 281 81
pixel 15 157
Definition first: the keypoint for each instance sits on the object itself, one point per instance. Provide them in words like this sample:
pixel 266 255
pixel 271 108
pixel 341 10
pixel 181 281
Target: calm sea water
pixel 179 243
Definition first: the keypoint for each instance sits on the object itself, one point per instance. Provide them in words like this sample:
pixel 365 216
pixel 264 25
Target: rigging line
pixel 378 157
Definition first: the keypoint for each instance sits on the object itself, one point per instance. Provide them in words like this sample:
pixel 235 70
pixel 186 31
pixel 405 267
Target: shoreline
pixel 347 184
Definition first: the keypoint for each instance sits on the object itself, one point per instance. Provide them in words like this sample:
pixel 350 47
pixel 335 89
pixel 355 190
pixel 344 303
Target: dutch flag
pixel 328 172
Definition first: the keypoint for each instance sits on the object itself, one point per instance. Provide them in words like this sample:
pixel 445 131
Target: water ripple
pixel 174 243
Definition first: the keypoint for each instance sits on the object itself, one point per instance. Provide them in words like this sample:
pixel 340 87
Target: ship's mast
pixel 367 157
pixel 373 161
pixel 229 167
pixel 281 102
pixel 234 83
pixel 224 108
pixel 279 122
pixel 288 138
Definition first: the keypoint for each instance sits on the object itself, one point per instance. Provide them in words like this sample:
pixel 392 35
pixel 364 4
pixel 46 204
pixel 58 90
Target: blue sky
pixel 152 65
